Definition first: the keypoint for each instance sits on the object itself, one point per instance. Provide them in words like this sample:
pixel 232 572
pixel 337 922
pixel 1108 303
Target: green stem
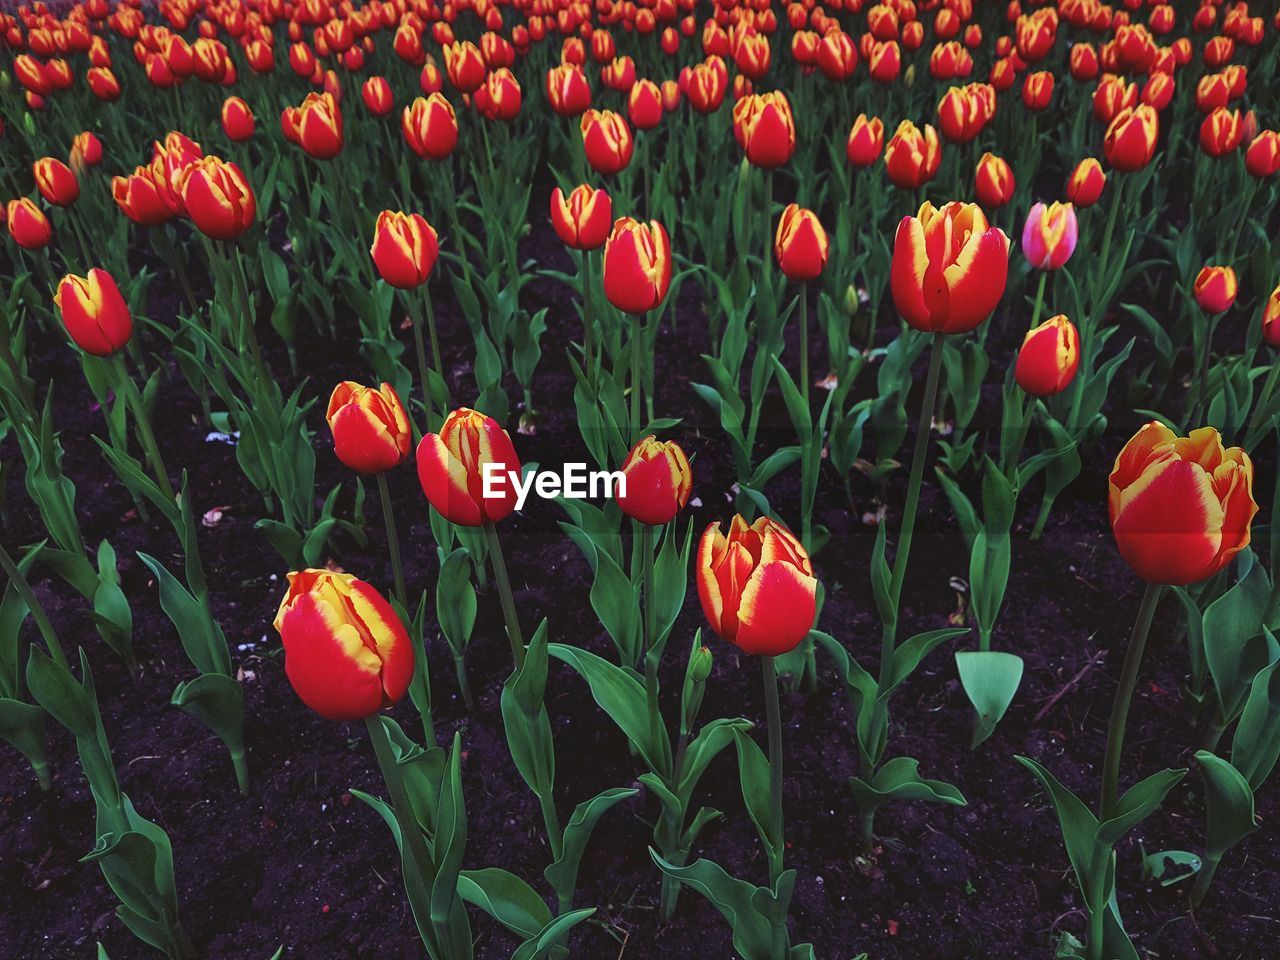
pixel 393 539
pixel 804 345
pixel 588 339
pixel 35 607
pixel 152 450
pixel 1204 880
pixel 499 564
pixel 1124 696
pixel 1035 312
pixel 424 382
pixel 464 684
pixel 774 717
pixel 650 656
pixel 635 377
pixel 240 280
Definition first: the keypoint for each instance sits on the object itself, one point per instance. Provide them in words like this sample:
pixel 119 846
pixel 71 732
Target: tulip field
pixel 602 479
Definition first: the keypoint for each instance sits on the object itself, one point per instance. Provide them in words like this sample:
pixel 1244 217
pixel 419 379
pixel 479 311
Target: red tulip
pixel 1049 357
pixel 637 265
pixel 465 468
pixel 658 481
pixel 371 432
pixel 801 244
pixel 404 249
pixel 583 219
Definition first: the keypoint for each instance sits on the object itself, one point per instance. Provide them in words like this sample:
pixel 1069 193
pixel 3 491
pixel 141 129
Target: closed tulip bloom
pixel 346 653
pixel 607 140
pixel 568 91
pixel 644 105
pixel 86 151
pixel 637 265
pixel 430 127
pixel 911 157
pixel 1130 140
pixel 1262 159
pixel 949 268
pixel 218 198
pixel 103 84
pixel 27 224
pixel 94 312
pixel 1085 184
pixel 453 463
pixel 464 65
pixel 866 141
pixel 584 218
pixel 1180 506
pixel 1215 289
pixel 377 96
pixel 1049 235
pixel 658 481
pixel 1271 318
pixel 139 199
pixel 1221 132
pixel 801 244
pixel 765 129
pixel 993 181
pixel 370 428
pixel 1037 90
pixel 404 249
pixel 756 586
pixel 56 182
pixel 237 119
pixel 316 126
pixel 1049 357
pixel 499 97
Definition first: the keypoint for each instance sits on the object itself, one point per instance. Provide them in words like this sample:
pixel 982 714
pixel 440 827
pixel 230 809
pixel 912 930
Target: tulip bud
pixel 583 219
pixel 237 119
pixel 1262 159
pixel 765 129
pixel 658 481
pixel 139 199
pixel 464 469
pixel 756 586
pixel 94 312
pixel 1180 507
pixel 1271 318
pixel 1049 235
pixel 993 181
pixel 56 182
pixel 1049 357
pixel 370 427
pixel 1130 140
pixel 637 265
pixel 430 127
pixel 949 268
pixel 801 244
pixel 27 224
pixel 346 653
pixel 696 673
pixel 911 157
pixel 1215 289
pixel 316 126
pixel 377 96
pixel 404 249
pixel 86 151
pixel 1085 184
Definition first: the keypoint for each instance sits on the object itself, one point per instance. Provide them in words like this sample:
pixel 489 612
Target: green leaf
pixel 900 779
pixel 1170 866
pixel 909 654
pixel 737 901
pixel 456 600
pixel 563 874
pixel 1137 803
pixel 1256 746
pixel 506 898
pixel 990 679
pixel 1228 804
pixel 551 936
pixel 753 775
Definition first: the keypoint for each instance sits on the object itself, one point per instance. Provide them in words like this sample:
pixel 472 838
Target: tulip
pixel 1221 132
pixel 464 65
pixel 1130 140
pixel 377 96
pixel 765 129
pixel 94 312
pixel 404 249
pixel 346 653
pixel 1180 506
pixel 866 140
pixel 1049 235
pixel 316 126
pixel 911 157
pixel 1215 289
pixel 453 464
pixel 637 265
pixel 499 97
pixel 1085 184
pixel 756 586
pixel 949 268
pixel 658 481
pixel 801 244
pixel 86 151
pixel 644 105
pixel 218 198
pixel 56 182
pixel 370 427
pixel 607 141
pixel 993 181
pixel 567 89
pixel 1049 357
pixel 139 199
pixel 237 119
pixel 1037 90
pixel 27 224
pixel 583 219
pixel 430 127
pixel 1271 318
pixel 1262 158
pixel 103 84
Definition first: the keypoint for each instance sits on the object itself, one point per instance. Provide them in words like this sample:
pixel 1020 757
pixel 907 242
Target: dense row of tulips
pixel 419 150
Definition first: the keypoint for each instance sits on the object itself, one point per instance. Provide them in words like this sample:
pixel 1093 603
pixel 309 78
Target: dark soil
pixel 300 864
